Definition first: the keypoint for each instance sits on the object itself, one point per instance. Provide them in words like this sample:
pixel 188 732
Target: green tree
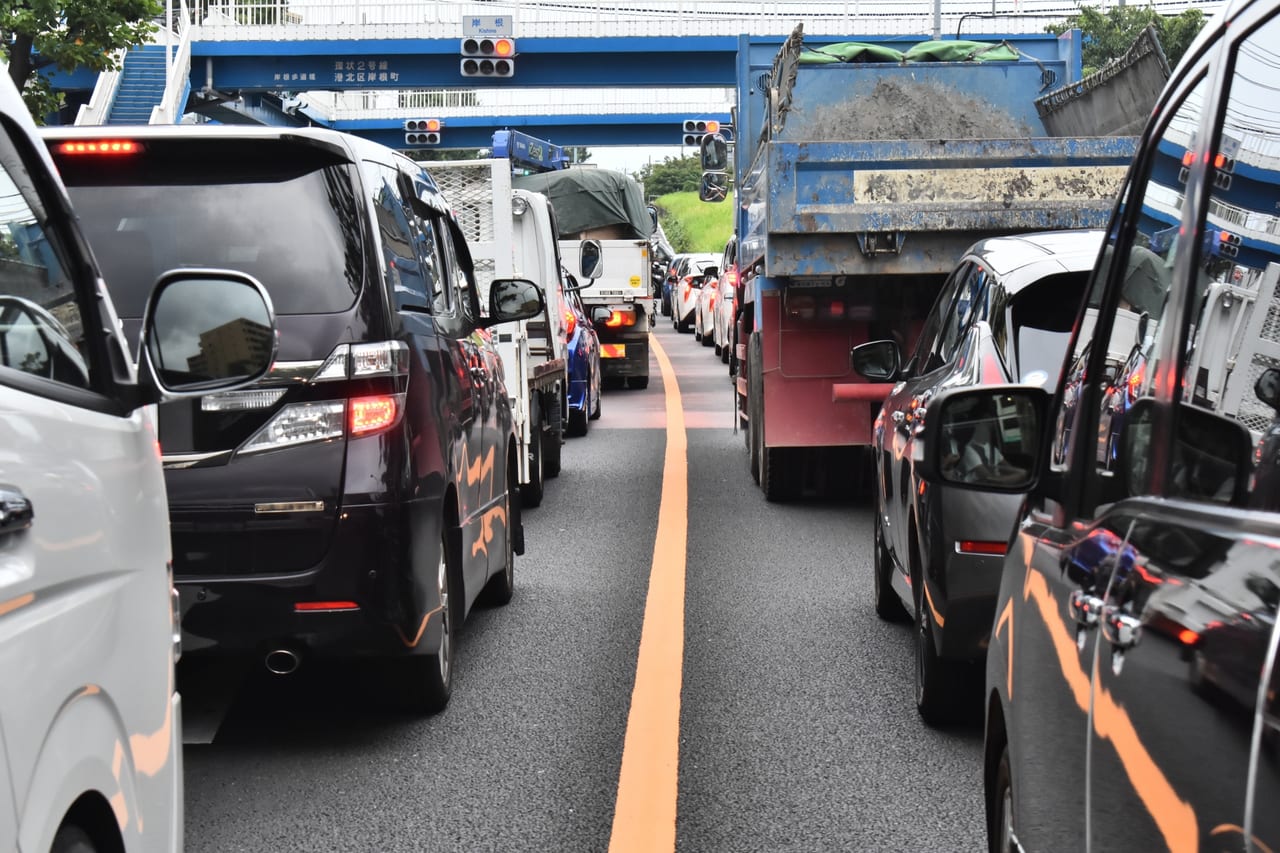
pixel 38 35
pixel 672 175
pixel 426 155
pixel 1107 35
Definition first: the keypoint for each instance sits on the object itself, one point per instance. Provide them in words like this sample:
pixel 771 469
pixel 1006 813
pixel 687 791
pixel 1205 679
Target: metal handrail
pixel 177 80
pixel 104 94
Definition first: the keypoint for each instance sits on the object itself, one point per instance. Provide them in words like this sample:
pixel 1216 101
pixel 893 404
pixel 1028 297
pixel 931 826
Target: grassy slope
pixel 704 225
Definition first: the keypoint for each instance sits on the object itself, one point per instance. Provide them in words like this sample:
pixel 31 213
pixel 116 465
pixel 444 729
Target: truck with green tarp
pixel 862 171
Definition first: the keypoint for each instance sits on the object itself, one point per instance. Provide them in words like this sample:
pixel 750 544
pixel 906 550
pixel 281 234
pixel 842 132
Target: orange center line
pixel 644 817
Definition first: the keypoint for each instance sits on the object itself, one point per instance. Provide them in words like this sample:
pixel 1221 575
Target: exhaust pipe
pixel 282 661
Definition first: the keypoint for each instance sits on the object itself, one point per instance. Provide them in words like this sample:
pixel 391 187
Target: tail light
pixel 570 322
pixel 1134 385
pixel 967 546
pixel 712 300
pixel 108 147
pixel 621 317
pixel 356 415
pixel 823 306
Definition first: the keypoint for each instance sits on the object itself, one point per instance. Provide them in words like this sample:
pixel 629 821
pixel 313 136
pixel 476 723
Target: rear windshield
pixel 1043 315
pixel 287 215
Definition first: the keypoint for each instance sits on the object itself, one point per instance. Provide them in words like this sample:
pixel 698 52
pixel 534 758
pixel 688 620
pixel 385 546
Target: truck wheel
pixel 755 404
pixel 639 383
pixel 553 439
pixel 531 492
pixel 779 474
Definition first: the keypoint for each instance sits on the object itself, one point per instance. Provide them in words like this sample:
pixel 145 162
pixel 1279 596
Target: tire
pixel 708 340
pixel 888 606
pixel 72 839
pixel 1000 831
pixel 553 440
pixel 531 492
pixel 501 587
pixel 755 404
pixel 595 413
pixel 937 680
pixel 779 476
pixel 424 683
pixel 578 422
pixel 638 383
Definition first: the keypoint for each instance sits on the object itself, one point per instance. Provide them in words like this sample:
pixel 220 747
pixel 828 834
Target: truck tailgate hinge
pixel 883 243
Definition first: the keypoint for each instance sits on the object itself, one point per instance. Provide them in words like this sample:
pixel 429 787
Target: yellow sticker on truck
pixel 613 350
pixel 635 281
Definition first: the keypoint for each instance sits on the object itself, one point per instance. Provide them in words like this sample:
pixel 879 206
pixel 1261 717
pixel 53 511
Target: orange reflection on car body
pixel 1173 816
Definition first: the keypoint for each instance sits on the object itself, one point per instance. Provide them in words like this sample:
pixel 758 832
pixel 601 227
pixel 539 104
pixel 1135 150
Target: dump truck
pixel 862 172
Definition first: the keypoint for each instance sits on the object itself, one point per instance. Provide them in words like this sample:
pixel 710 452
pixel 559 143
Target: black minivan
pixel 1131 690
pixel 358 499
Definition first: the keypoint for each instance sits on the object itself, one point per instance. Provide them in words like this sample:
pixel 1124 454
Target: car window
pixel 970 306
pixel 1034 330
pixel 41 327
pixel 406 275
pixel 929 340
pixel 1233 336
pixel 285 214
pixel 464 294
pixel 1122 330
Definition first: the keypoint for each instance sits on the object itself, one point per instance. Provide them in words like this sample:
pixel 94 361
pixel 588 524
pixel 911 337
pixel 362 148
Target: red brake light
pixel 1135 384
pixel 100 146
pixel 1188 157
pixel 370 414
pixel 311 606
pixel 620 318
pixel 970 547
pixel 570 322
pixel 1188 637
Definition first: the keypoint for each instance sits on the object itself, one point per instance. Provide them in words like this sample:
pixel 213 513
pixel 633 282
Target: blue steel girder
pixel 564 130
pixel 244 66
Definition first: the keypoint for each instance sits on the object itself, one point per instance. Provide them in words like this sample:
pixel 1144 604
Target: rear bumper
pixel 367 564
pixel 624 355
pixel 972 583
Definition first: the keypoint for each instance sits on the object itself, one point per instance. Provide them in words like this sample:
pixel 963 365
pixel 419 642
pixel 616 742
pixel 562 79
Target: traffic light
pixel 695 129
pixel 422 131
pixel 1228 244
pixel 1223 167
pixel 488 57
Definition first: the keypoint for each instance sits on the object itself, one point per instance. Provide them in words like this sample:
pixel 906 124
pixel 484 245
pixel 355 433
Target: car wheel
pixel 553 439
pixel 72 839
pixel 936 679
pixel 888 606
pixel 708 340
pixel 531 492
pixel 1000 832
pixel 595 413
pixel 500 588
pixel 426 686
pixel 578 423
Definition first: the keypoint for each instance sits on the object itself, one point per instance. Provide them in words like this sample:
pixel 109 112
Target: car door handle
pixel 1084 608
pixel 15 511
pixel 1121 630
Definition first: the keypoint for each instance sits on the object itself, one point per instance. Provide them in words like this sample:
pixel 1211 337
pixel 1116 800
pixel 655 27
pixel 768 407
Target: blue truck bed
pixel 896 168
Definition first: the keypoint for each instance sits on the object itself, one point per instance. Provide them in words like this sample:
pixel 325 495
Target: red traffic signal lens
pixel 504 47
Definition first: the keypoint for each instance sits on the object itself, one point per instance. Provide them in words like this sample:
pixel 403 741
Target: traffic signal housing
pixel 488 57
pixel 422 131
pixel 695 129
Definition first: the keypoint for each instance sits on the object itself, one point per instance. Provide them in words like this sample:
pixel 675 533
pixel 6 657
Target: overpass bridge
pixel 608 72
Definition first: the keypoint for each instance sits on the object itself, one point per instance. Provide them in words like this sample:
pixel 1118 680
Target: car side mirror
pixel 590 259
pixel 1212 455
pixel 512 299
pixel 1267 388
pixel 601 314
pixel 205 330
pixel 714 153
pixel 985 438
pixel 877 360
pixel 713 187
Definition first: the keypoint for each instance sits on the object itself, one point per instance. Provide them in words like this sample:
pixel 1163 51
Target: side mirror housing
pixel 590 259
pixel 204 330
pixel 878 361
pixel 985 438
pixel 1267 388
pixel 512 299
pixel 601 314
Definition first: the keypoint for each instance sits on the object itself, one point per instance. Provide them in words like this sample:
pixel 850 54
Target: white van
pixel 90 722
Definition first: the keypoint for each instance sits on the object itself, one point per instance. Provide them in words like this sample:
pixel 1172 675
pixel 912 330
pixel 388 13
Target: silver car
pixel 1004 315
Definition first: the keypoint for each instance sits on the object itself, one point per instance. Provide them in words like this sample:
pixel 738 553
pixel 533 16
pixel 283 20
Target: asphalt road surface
pixel 789 702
